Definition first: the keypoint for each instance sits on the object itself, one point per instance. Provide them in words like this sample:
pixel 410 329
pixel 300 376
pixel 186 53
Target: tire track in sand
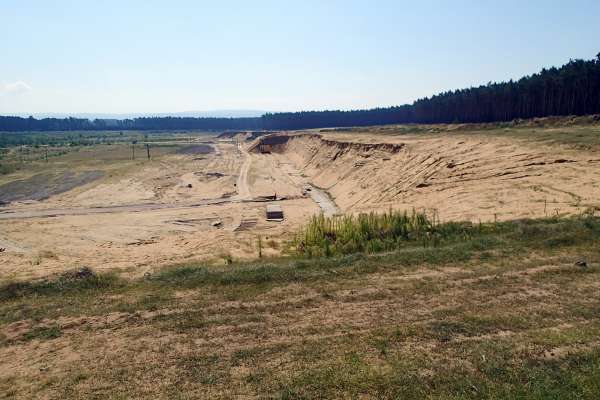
pixel 243 188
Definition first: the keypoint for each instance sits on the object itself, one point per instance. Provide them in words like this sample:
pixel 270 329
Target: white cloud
pixel 18 87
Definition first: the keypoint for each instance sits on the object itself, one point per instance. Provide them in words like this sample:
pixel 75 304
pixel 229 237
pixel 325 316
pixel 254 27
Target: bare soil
pixel 42 186
pixel 456 176
pixel 148 213
pixel 110 212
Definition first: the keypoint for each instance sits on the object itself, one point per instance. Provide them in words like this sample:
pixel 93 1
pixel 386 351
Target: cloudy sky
pixel 171 56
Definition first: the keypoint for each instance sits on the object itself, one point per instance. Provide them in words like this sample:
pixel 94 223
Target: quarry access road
pixel 6 214
pixel 242 185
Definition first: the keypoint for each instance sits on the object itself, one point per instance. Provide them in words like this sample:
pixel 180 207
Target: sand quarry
pixel 207 202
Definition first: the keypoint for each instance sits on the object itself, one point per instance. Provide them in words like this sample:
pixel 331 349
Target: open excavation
pixel 152 269
pixel 299 200
pixel 135 216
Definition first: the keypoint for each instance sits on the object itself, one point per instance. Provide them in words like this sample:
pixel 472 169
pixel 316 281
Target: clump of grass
pixel 372 233
pixel 43 333
pixel 79 279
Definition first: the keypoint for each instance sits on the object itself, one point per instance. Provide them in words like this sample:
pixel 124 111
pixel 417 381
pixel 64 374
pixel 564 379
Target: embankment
pixel 461 177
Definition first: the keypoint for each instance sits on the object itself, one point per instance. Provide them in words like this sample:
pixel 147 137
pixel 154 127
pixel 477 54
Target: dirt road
pixel 45 213
pixel 242 181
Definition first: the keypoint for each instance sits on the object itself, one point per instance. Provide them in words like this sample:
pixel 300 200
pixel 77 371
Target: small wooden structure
pixel 274 212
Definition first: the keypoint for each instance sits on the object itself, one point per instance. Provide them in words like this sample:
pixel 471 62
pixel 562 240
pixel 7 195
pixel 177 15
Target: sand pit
pixel 459 177
pixel 138 215
pixel 146 215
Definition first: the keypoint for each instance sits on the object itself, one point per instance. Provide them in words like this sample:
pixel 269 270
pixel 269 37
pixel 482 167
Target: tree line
pixel 573 89
pixel 17 124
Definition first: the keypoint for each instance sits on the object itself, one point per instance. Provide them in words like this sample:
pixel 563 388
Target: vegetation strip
pixel 346 326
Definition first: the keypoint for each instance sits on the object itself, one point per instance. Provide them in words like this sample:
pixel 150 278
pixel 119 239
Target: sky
pixel 175 56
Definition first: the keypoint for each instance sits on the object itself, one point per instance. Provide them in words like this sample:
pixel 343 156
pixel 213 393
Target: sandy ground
pixel 187 207
pixel 458 177
pixel 150 217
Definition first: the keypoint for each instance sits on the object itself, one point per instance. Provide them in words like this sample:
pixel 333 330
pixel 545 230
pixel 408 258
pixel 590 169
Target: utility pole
pixel 148 150
pixel 133 149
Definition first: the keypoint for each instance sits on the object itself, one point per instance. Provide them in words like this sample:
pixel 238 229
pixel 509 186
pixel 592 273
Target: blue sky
pixel 168 56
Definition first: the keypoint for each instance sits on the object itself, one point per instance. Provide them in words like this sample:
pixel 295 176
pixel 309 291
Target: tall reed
pixel 374 232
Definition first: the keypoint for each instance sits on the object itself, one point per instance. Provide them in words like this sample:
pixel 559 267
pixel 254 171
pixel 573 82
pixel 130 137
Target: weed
pixel 42 333
pixel 373 233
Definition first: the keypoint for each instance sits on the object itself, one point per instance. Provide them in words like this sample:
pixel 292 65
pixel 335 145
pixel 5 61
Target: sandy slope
pixel 459 176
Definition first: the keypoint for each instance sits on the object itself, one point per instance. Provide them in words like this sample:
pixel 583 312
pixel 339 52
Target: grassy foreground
pixel 499 314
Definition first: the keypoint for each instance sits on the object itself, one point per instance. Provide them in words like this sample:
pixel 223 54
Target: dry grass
pixel 579 132
pixel 505 316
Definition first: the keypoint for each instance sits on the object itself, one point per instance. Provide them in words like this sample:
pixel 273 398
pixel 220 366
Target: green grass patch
pixel 470 317
pixel 497 375
pixel 374 233
pixel 72 281
pixel 42 333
